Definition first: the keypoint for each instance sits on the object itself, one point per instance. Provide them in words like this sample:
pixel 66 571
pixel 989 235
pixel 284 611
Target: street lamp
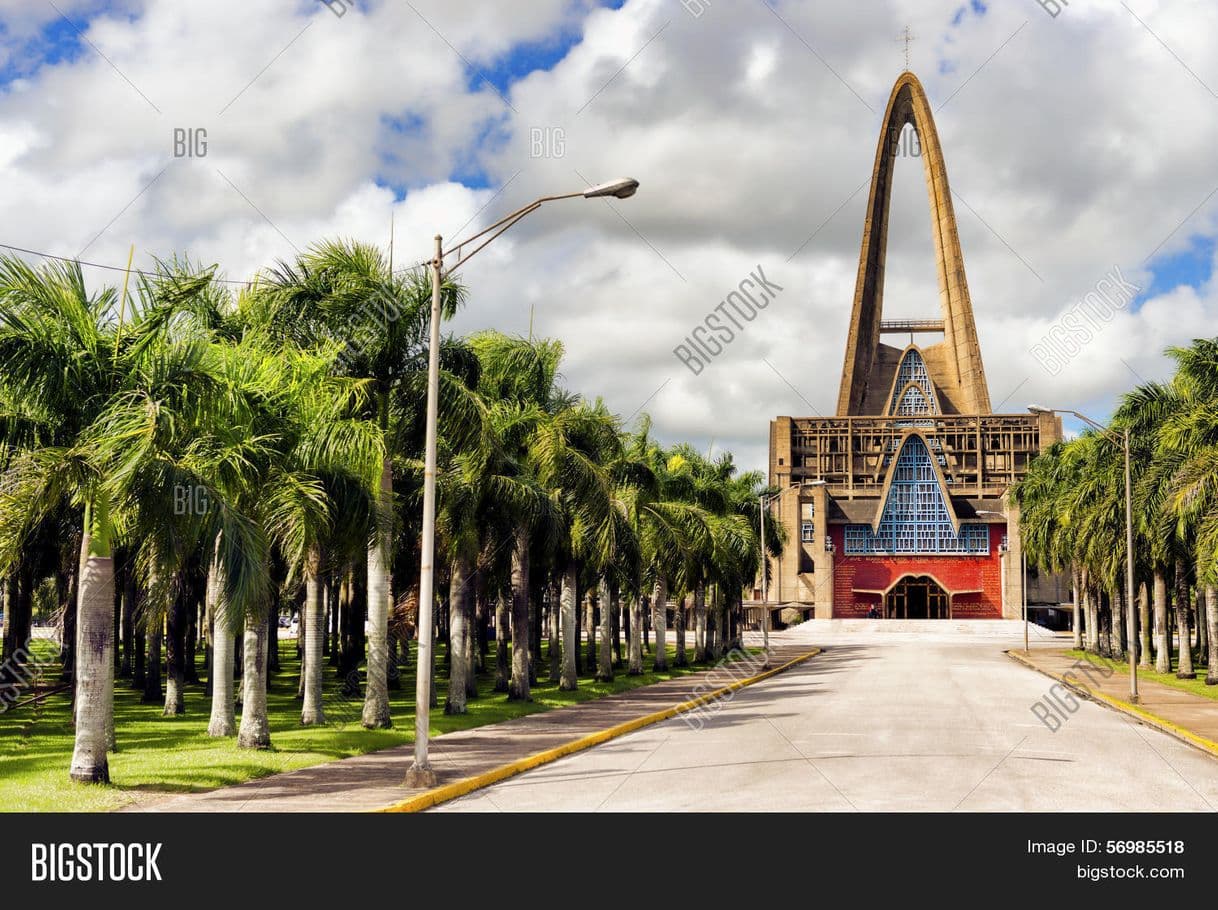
pixel 1121 440
pixel 421 773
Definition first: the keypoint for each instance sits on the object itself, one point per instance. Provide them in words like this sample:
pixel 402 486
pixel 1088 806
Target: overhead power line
pixel 111 268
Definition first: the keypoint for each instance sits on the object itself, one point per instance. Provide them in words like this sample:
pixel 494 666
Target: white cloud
pixel 1073 144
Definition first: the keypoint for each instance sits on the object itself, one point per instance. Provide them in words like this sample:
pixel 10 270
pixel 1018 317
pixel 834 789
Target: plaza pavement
pixel 375 781
pixel 938 719
pixel 904 716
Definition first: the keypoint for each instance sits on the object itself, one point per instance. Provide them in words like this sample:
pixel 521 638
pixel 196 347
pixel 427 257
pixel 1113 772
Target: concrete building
pixel 898 506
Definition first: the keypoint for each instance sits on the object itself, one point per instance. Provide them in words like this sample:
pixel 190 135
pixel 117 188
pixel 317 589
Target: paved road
pixel 890 721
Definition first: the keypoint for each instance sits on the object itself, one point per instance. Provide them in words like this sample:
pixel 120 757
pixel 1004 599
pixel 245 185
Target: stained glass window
pixel 914 393
pixel 915 517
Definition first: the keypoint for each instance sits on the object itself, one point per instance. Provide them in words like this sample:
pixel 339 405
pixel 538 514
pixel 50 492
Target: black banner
pixel 738 857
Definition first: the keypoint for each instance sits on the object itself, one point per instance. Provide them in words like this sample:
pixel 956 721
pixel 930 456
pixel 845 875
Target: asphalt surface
pixel 883 720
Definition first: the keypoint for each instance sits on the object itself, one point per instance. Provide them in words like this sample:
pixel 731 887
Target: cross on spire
pixel 908 37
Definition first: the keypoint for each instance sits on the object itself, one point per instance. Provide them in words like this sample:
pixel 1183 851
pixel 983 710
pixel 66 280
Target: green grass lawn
pixel 1196 686
pixel 174 754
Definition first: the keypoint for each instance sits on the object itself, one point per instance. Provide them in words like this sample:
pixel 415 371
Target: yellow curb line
pixel 1154 720
pixel 467 785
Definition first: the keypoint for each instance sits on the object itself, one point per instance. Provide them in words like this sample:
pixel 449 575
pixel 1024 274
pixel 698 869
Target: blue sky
pixel 1191 267
pixel 750 127
pixel 58 41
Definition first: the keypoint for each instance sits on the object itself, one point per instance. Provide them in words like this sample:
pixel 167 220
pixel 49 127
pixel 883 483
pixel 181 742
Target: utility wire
pixel 112 268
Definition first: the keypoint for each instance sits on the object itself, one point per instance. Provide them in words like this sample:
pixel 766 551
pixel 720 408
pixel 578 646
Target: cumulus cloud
pixel 1074 144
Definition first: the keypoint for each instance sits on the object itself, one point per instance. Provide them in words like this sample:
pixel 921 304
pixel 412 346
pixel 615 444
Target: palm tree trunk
pixel 590 629
pixel 615 623
pixel 458 634
pixel 125 667
pixel 1201 620
pixel 190 672
pixel 1162 634
pixel 1077 613
pixel 470 606
pixel 94 670
pixel 67 597
pixel 1143 626
pixel 518 685
pixel 534 633
pixel 481 622
pixel 604 661
pixel 502 666
pixel 678 621
pixel 302 638
pixel 376 699
pixel 720 625
pixel 395 645
pixel 334 605
pixel 223 719
pixel 175 642
pixel 554 635
pixel 140 643
pixel 569 620
pixel 659 621
pixel 433 699
pixel 1184 667
pixel 1093 620
pixel 152 673
pixel 209 641
pixel 255 730
pixel 312 713
pixel 634 666
pixel 18 614
pixel 1211 631
pixel 1116 648
pixel 1102 625
pixel 699 621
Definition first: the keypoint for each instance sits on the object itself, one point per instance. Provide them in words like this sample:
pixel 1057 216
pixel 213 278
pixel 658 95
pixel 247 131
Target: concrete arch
pixel 894 408
pixel 940 479
pixel 932 393
pixel 963 371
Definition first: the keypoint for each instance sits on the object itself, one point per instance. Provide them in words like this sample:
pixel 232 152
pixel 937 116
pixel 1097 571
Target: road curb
pixel 468 785
pixel 1166 726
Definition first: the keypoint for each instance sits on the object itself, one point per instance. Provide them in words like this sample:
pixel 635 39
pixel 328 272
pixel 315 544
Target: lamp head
pixel 623 188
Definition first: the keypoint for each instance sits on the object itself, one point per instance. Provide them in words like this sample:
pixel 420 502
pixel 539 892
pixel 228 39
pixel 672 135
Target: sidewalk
pixel 374 781
pixel 1192 718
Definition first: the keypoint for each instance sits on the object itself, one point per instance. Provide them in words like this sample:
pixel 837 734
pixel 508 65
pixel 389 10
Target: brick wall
pixel 955 573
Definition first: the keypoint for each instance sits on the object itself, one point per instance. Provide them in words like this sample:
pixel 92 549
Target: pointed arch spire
pixel 961 375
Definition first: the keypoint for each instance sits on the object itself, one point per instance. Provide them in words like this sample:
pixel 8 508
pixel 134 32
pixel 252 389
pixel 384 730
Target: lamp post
pixel 421 773
pixel 762 503
pixel 1121 440
pixel 1023 587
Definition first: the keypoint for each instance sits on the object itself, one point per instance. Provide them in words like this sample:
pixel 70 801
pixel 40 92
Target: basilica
pixel 898 506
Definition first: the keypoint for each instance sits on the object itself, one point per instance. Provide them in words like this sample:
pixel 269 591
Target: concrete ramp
pixel 972 628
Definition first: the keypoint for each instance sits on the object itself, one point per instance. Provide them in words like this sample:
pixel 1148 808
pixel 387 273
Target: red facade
pixel 975 582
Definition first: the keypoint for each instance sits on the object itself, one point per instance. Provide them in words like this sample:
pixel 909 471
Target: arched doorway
pixel 917 597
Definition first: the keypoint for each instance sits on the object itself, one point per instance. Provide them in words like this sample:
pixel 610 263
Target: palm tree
pixel 1049 529
pixel 518 382
pixel 1187 454
pixel 347 291
pixel 77 369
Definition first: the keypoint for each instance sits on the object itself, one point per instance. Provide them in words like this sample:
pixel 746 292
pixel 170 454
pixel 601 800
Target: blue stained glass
pixel 914 393
pixel 915 517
